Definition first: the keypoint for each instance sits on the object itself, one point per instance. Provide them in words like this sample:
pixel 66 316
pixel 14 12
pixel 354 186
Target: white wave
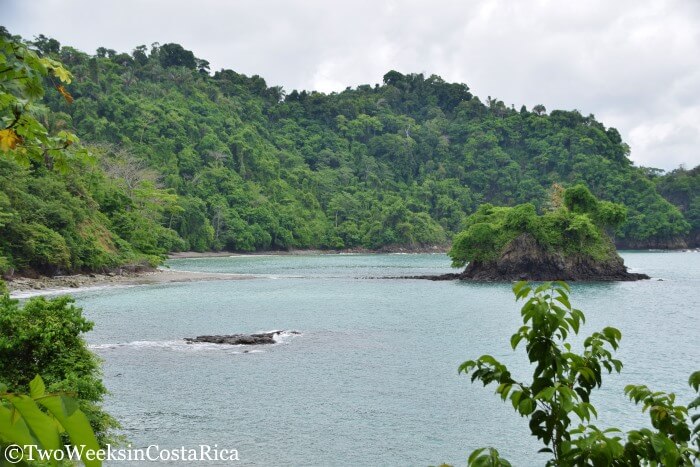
pixel 23 294
pixel 251 256
pixel 141 344
pixel 283 336
pixel 181 346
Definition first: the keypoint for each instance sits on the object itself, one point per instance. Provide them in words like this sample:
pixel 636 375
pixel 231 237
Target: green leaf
pixel 466 366
pixel 515 339
pixel 40 424
pixel 694 380
pixel 37 388
pixel 526 406
pixel 517 287
pixel 69 404
pixel 474 455
pixel 76 425
pixel 546 394
pixel 564 301
pixel 14 430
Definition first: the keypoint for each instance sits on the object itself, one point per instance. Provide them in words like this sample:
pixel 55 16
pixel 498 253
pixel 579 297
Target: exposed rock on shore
pixel 525 259
pixel 239 339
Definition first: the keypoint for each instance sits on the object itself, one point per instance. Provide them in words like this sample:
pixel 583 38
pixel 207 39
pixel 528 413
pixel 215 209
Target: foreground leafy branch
pixel 40 419
pixel 23 136
pixel 557 400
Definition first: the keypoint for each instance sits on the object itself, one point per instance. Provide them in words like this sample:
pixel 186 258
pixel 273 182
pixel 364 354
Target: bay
pixel 372 378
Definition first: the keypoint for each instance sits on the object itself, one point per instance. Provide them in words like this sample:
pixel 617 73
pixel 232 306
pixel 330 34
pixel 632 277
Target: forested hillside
pixel 682 188
pixel 187 159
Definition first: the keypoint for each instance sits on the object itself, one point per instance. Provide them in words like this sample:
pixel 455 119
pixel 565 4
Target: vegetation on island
pixel 576 224
pixel 558 399
pixel 183 158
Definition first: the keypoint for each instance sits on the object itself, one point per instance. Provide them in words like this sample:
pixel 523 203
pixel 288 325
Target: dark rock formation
pixel 238 339
pixel 525 259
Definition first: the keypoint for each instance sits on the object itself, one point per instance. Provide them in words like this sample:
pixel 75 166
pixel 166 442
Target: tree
pixel 561 387
pixel 539 109
pixel 22 135
pixel 578 199
pixel 230 143
pixel 393 78
pixel 44 337
pixel 47 45
pixel 576 228
pixel 175 55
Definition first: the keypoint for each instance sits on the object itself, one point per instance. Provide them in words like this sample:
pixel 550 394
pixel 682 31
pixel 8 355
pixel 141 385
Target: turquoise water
pixel 372 378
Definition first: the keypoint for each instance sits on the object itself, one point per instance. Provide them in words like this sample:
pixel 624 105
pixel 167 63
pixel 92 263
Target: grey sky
pixel 635 64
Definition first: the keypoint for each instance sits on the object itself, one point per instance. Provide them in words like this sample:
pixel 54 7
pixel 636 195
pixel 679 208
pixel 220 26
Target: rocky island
pixel 265 338
pixel 569 241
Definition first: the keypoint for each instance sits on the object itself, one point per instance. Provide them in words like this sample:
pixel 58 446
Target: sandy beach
pixel 23 287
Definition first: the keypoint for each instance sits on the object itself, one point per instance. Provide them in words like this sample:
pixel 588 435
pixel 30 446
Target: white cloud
pixel 632 63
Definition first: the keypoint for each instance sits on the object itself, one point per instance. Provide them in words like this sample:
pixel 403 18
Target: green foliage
pixel 576 228
pixel 45 337
pixel 235 164
pixel 557 400
pixel 86 218
pixel 81 220
pixel 682 188
pixel 349 169
pixel 580 200
pixel 22 134
pixel 40 419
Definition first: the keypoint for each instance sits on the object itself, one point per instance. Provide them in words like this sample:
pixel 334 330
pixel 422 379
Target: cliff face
pixel 525 259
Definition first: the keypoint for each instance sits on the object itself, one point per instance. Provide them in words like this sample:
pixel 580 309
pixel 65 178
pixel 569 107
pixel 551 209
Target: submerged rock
pixel 239 339
pixel 525 259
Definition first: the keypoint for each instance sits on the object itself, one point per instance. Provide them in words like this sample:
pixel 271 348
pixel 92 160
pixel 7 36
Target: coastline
pixel 437 249
pixel 24 287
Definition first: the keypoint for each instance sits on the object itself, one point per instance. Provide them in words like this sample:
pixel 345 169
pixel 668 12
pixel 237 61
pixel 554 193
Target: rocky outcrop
pixel 525 259
pixel 239 339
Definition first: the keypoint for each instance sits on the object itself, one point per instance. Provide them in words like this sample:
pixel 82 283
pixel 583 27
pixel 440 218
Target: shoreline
pixel 24 287
pixel 435 249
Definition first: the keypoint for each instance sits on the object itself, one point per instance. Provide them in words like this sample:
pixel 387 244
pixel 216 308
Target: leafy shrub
pixel 557 400
pixel 40 420
pixel 44 336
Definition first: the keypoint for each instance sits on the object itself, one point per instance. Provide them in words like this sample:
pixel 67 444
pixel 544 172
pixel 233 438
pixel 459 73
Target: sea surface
pixel 372 377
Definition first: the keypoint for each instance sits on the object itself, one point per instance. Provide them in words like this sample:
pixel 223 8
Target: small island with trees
pixel 569 241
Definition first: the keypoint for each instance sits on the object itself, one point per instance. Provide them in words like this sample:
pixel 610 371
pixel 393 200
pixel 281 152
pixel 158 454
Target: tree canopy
pixel 226 161
pixel 577 227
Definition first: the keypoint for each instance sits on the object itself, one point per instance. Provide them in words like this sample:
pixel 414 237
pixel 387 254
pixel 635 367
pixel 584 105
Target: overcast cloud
pixel 634 64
